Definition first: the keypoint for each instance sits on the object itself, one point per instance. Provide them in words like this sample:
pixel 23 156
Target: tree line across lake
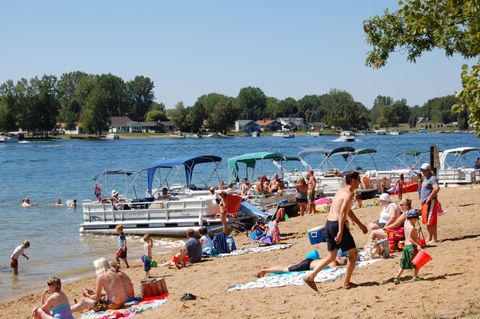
pixel 39 104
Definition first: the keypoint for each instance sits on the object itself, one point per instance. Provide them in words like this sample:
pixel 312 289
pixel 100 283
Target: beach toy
pixel 313 255
pixel 421 258
pixel 154 264
pixel 422 242
pixel 286 217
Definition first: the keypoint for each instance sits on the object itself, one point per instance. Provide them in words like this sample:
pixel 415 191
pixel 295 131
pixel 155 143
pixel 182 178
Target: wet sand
pixel 450 288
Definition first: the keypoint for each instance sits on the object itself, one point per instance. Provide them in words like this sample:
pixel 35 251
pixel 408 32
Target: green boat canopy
pixel 250 161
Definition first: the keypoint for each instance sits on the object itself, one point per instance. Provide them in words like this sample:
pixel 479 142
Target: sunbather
pixel 108 281
pixel 304 265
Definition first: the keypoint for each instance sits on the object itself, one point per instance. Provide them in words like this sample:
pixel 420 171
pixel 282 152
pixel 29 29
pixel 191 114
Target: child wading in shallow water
pixel 411 247
pixel 147 254
pixel 122 246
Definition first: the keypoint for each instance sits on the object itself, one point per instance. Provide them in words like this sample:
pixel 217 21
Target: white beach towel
pixel 296 278
pixel 252 250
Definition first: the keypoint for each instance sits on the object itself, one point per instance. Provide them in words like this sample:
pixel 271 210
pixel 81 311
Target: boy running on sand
pixel 147 254
pixel 17 253
pixel 411 247
pixel 122 246
pixel 337 233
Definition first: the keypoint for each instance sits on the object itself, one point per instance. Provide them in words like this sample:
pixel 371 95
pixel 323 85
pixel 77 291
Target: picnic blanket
pixel 296 278
pixel 252 250
pixel 127 313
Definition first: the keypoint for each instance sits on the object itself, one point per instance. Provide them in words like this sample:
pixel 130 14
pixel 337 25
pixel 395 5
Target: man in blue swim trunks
pixel 337 233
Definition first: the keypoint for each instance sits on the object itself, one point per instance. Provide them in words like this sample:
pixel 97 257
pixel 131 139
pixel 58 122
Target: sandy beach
pixel 450 288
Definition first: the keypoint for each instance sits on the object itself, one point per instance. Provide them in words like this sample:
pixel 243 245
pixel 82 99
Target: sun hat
pixel 425 166
pixel 114 192
pixel 385 197
pixel 412 214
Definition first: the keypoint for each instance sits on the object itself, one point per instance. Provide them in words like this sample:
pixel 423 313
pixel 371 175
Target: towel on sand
pixel 127 313
pixel 251 250
pixel 296 278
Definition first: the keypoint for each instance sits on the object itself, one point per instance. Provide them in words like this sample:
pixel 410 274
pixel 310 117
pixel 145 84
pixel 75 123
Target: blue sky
pixel 189 48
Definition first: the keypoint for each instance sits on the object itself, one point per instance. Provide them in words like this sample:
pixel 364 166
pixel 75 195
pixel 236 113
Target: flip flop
pixel 310 284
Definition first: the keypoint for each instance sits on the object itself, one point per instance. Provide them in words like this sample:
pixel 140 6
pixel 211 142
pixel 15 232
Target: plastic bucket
pixel 421 259
pixel 313 255
pixel 233 203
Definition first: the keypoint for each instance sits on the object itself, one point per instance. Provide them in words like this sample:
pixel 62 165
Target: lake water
pixel 47 170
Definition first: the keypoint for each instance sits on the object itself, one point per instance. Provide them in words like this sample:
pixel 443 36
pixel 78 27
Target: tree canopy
pixel 420 26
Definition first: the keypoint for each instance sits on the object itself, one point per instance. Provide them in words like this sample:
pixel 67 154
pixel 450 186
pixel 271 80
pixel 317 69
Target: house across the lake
pixel 123 124
pixel 268 125
pixel 247 126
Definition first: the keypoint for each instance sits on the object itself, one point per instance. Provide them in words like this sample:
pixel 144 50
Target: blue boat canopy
pixel 187 162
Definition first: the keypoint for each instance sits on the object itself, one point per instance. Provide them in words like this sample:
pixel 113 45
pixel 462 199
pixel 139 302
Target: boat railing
pixel 156 210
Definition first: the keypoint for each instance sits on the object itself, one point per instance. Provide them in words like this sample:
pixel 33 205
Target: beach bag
pixel 220 243
pixel 151 287
pixel 379 249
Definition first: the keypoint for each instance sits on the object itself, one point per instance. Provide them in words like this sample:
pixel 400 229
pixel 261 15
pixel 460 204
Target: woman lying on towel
pixel 308 263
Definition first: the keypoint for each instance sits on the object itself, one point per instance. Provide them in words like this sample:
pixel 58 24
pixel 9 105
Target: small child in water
pixel 16 254
pixel 179 260
pixel 147 254
pixel 411 247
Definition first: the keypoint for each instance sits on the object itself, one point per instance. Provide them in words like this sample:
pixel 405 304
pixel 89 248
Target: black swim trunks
pixel 331 230
pixel 301 266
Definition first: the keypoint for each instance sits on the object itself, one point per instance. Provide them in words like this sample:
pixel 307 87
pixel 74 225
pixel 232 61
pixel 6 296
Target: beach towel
pixel 134 307
pixel 296 278
pixel 252 250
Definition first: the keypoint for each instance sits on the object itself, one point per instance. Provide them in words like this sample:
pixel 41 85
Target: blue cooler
pixel 316 235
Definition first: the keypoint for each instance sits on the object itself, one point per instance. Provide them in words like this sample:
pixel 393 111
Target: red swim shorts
pixel 430 212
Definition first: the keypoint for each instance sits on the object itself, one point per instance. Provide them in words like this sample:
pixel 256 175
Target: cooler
pixel 316 235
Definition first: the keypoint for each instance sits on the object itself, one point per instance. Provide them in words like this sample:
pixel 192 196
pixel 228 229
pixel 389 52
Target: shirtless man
pixel 109 287
pixel 337 233
pixel 312 186
pixel 127 282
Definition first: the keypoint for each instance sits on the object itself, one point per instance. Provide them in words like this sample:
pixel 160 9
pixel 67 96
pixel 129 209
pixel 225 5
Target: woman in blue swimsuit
pixel 55 304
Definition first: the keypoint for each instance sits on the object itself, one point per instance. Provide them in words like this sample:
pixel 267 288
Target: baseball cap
pixel 412 214
pixel 425 166
pixel 385 197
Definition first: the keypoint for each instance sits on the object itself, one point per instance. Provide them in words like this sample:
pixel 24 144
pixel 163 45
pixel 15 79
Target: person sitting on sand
pixel 205 240
pixel 193 246
pixel 55 304
pixel 179 260
pixel 411 247
pixel 388 215
pixel 127 282
pixel 109 290
pixel 376 234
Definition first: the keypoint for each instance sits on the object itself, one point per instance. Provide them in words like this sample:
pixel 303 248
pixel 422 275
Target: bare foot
pixel 432 243
pixel 349 285
pixel 310 283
